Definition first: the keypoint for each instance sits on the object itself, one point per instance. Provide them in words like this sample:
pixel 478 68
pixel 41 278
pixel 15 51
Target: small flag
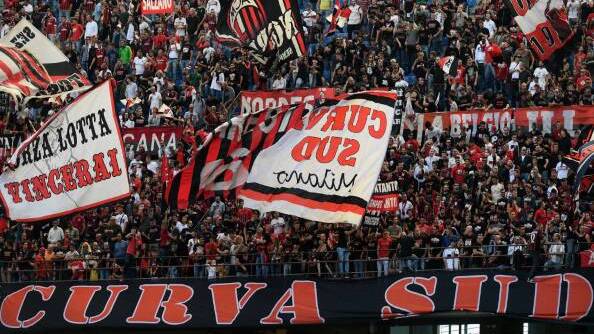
pixel 449 65
pixel 339 17
pixel 166 174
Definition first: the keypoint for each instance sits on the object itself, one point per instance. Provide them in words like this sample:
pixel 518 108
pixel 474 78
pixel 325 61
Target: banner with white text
pixel 262 99
pixel 149 7
pixel 152 139
pixel 74 162
pixel 543 119
pixel 384 199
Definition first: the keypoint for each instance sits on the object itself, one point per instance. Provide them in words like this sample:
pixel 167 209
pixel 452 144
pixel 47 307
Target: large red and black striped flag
pixel 317 163
pixel 32 66
pixel 544 22
pixel 270 29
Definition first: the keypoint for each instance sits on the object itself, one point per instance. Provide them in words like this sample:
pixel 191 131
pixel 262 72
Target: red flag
pixel 165 170
pixel 586 259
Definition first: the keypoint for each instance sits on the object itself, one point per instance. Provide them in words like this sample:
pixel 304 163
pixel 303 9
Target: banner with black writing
pixel 384 199
pixel 32 66
pixel 270 29
pixel 74 162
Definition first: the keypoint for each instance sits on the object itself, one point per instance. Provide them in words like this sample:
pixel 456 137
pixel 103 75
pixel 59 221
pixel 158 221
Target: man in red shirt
pixel 64 30
pixel 211 249
pixel 383 253
pixel 65 6
pixel 244 214
pixel 160 39
pixel 134 244
pixel 161 61
pixel 76 34
pixel 50 26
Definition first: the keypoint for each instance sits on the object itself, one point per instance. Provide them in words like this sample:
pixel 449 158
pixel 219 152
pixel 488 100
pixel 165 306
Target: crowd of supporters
pixel 492 199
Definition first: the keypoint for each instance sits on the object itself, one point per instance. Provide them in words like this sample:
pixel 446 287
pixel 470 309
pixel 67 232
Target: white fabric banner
pixel 327 171
pixel 32 66
pixel 74 162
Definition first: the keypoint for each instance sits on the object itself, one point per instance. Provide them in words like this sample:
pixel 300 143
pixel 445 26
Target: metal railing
pixel 329 264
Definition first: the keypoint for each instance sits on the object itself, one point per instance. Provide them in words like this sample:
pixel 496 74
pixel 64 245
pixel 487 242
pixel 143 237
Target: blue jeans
pixel 343 260
pixel 261 266
pixel 359 268
pixel 198 270
pixel 172 69
pixel 382 266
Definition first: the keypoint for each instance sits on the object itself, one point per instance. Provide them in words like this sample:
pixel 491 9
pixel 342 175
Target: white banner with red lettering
pixel 326 171
pixel 255 101
pixel 157 7
pixel 74 162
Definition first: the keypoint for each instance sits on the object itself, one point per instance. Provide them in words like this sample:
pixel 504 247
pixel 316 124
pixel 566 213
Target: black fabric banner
pixel 270 29
pixel 560 296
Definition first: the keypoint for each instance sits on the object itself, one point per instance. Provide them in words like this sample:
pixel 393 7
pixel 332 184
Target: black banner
pixel 561 296
pixel 273 30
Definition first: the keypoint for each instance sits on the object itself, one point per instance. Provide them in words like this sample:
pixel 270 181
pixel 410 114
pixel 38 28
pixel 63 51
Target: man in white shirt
pixel 310 17
pixel 562 170
pixel 489 25
pixel 279 82
pixel 479 52
pixel 213 7
pixel 573 8
pixel 121 218
pixel 541 74
pixel 556 252
pixel 355 19
pixel 55 234
pixel 180 26
pixel 139 63
pixel 278 224
pixel 404 208
pixel 515 68
pixel 91 28
pixel 131 89
pixel 155 99
pixel 451 257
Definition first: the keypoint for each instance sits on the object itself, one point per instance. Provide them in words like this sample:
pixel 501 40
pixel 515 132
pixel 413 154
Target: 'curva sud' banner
pixel 168 304
pixel 538 118
pixel 255 101
pixel 315 163
pixel 75 161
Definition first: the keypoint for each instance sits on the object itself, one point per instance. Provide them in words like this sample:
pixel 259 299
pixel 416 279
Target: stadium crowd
pixel 493 199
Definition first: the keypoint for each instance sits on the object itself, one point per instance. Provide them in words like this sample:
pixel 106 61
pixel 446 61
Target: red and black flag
pixel 339 18
pixel 581 162
pixel 269 29
pixel 32 66
pixel 319 163
pixel 449 65
pixel 223 161
pixel 544 22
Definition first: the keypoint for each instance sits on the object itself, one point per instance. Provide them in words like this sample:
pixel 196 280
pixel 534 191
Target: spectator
pixel 55 234
pixel 555 253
